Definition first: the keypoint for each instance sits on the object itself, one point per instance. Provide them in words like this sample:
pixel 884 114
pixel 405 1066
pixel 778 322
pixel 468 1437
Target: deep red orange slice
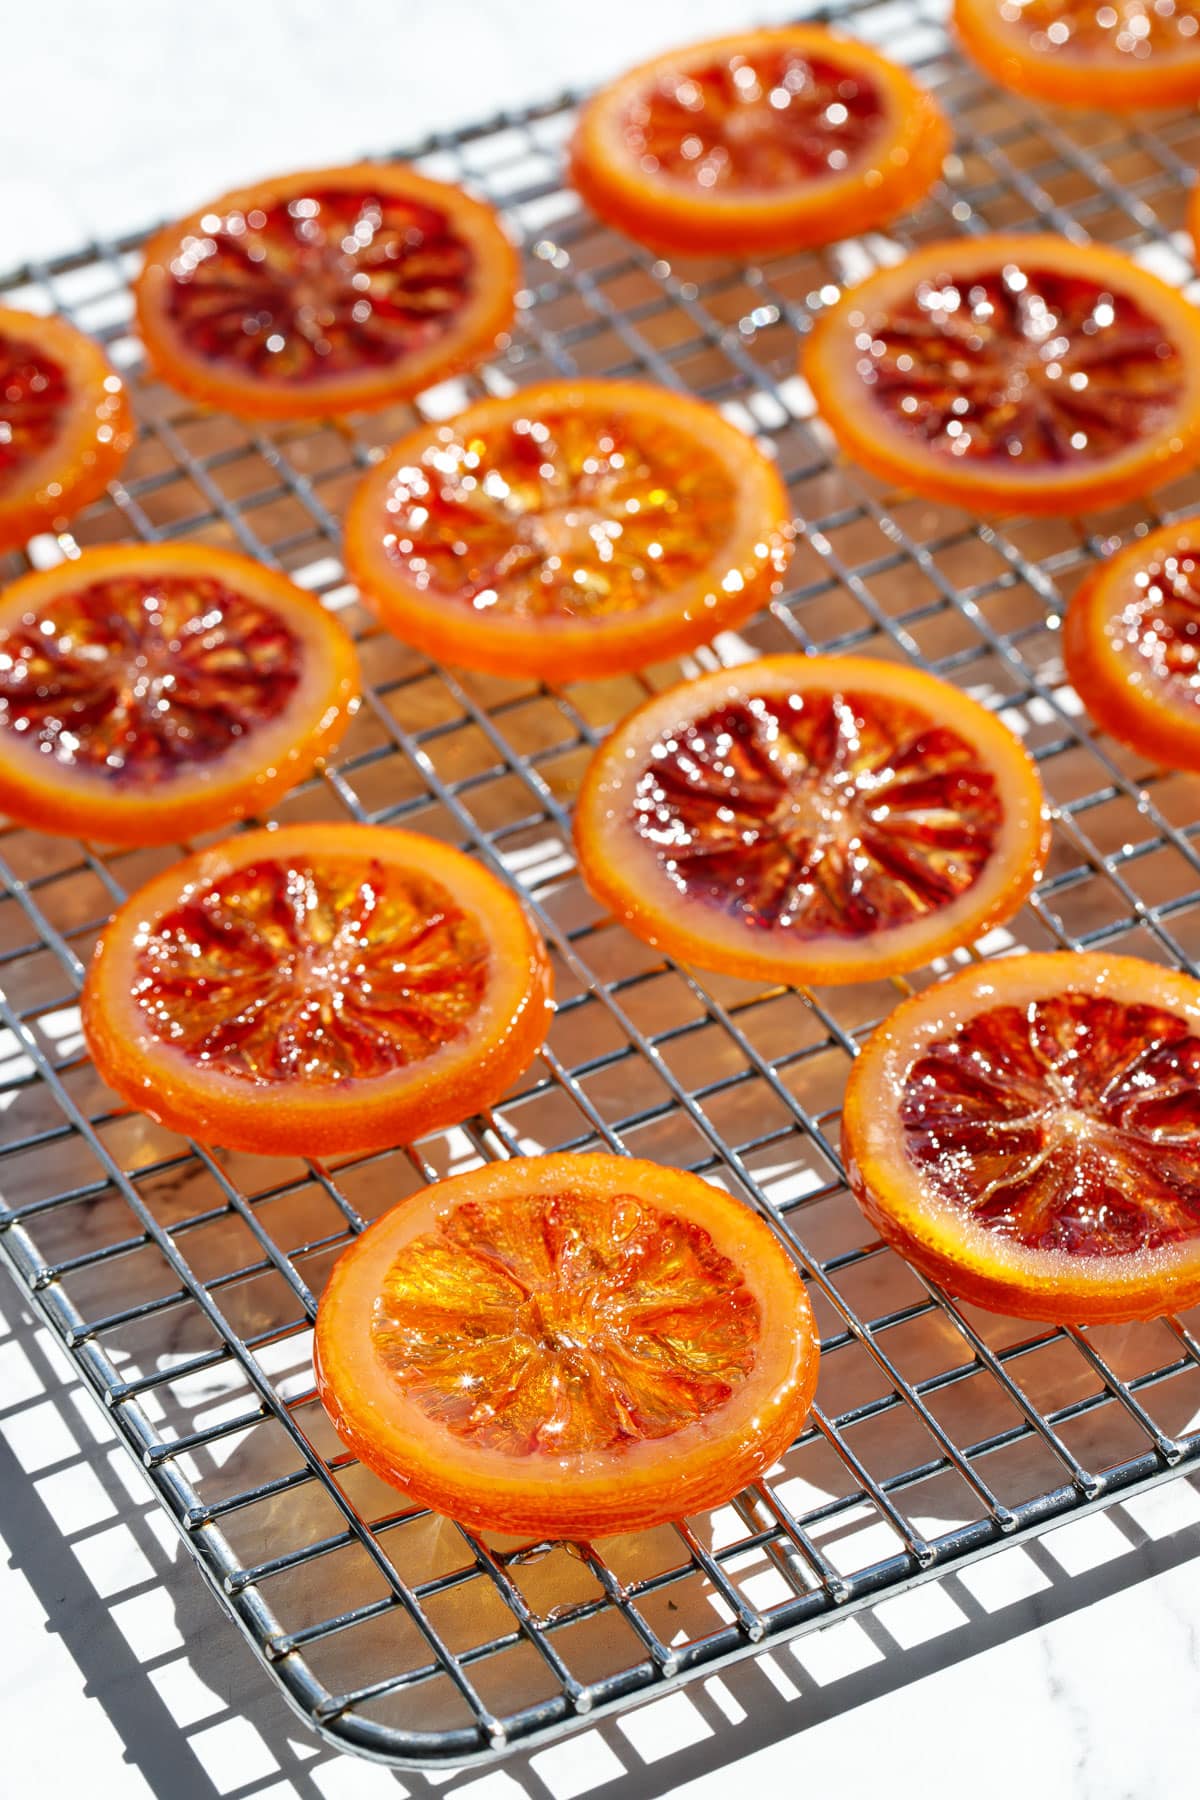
pixel 1131 641
pixel 1122 54
pixel 567 1346
pixel 811 819
pixel 578 528
pixel 152 692
pixel 324 292
pixel 1012 374
pixel 764 141
pixel 317 989
pixel 65 424
pixel 1028 1133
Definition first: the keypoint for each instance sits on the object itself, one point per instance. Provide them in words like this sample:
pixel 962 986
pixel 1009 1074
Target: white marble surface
pixel 1070 1668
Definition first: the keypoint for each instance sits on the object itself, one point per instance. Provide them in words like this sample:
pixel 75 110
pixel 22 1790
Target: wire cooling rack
pixel 183 1281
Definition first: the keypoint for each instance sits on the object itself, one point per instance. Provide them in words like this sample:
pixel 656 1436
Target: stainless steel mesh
pixel 183 1280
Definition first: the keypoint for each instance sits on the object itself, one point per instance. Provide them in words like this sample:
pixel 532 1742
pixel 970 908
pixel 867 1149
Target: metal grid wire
pixel 183 1280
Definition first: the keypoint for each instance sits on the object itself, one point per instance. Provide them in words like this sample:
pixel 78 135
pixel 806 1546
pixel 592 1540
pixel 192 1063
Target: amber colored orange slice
pixel 567 1346
pixel 1012 374
pixel 1027 1133
pixel 317 989
pixel 580 528
pixel 1121 55
pixel 325 292
pixel 1131 641
pixel 759 142
pixel 65 424
pixel 811 819
pixel 152 692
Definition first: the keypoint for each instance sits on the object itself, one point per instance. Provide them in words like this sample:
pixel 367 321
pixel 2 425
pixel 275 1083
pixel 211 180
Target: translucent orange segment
pixel 1117 30
pixel 1072 1123
pixel 311 971
pixel 136 677
pixel 329 282
pixel 34 398
pixel 823 814
pixel 1022 366
pixel 766 119
pixel 550 1324
pixel 564 513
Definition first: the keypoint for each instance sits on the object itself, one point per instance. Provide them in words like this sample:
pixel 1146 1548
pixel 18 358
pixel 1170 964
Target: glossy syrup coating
pixel 317 989
pixel 1119 54
pixel 739 123
pixel 567 1346
pixel 325 292
pixel 151 692
pixel 577 528
pixel 811 819
pixel 1131 643
pixel 763 141
pixel 1028 1133
pixel 1012 374
pixel 65 425
pixel 601 1321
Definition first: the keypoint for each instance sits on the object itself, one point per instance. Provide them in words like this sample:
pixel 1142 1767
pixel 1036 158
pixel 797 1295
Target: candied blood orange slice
pixel 1012 374
pixel 811 819
pixel 567 1346
pixel 769 140
pixel 1027 1133
pixel 578 528
pixel 1119 54
pixel 151 692
pixel 317 988
pixel 1132 645
pixel 65 424
pixel 325 292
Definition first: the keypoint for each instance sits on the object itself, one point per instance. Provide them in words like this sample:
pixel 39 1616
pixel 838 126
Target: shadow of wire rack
pixel 183 1281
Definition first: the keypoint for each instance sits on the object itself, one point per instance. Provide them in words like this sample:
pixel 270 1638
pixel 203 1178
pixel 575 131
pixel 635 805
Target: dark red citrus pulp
pixel 34 397
pixel 311 972
pixel 142 674
pixel 811 819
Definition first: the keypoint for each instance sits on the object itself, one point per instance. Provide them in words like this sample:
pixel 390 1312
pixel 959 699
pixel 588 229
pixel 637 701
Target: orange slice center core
pixel 1019 366
pixel 1069 1124
pixel 1130 31
pixel 554 1324
pixel 33 400
pixel 823 814
pixel 136 678
pixel 329 283
pixel 311 971
pixel 569 514
pixel 1158 626
pixel 759 122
